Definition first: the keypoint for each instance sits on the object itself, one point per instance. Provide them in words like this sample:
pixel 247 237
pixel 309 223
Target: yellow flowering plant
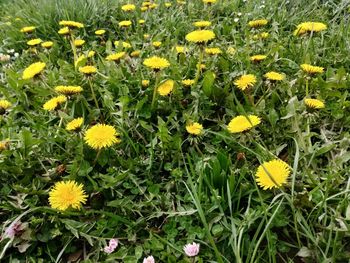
pixel 174 131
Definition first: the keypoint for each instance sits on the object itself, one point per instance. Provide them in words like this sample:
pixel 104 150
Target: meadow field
pixel 175 131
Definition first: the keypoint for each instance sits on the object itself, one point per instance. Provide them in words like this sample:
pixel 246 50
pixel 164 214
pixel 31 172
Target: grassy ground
pixel 162 188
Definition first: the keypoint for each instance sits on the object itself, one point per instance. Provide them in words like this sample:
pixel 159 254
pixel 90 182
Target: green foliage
pixel 162 188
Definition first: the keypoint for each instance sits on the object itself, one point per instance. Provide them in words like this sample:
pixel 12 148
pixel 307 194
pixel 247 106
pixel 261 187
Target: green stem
pixel 250 98
pixel 154 97
pixel 61 119
pixel 200 60
pixel 307 87
pixel 308 138
pixel 93 93
pixel 73 49
pixel 97 155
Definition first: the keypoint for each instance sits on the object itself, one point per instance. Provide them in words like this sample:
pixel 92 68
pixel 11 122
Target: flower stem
pixel 154 97
pixel 250 98
pixel 73 49
pixel 93 93
pixel 308 138
pixel 200 60
pixel 307 87
pixel 97 155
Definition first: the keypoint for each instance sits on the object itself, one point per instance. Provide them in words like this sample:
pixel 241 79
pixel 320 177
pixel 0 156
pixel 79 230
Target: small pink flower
pixel 13 229
pixel 191 250
pixel 149 259
pixel 108 250
pixel 112 245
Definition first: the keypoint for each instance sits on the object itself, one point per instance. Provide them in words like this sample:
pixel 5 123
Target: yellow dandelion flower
pixel 245 81
pixel 75 124
pixel 153 6
pixel 258 23
pixel 33 70
pixel 88 70
pixel 91 54
pixel 262 35
pixel 180 2
pixel 146 36
pixel 201 66
pixel 144 8
pixel 231 51
pixel 141 21
pixel 213 51
pixel 71 24
pixel 209 1
pixel 202 24
pixel 116 56
pixel 156 63
pixel 123 44
pixel 128 7
pixel 67 194
pixel 156 44
pixel 188 82
pixel 5 104
pixel 272 174
pixel 34 42
pixel 47 44
pixel 194 128
pixel 4 145
pixel 64 31
pixel 243 123
pixel 200 36
pixel 146 3
pixel 68 90
pixel 101 136
pixel 257 58
pixel 314 103
pixel 145 83
pixel 79 42
pixel 308 27
pixel 100 32
pixel 125 23
pixel 274 76
pixel 180 49
pixel 311 69
pixel 53 103
pixel 167 4
pixel 135 53
pixel 166 87
pixel 28 29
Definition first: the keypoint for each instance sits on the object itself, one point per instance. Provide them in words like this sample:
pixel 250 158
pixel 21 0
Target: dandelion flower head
pixel 67 194
pixel 314 103
pixel 68 90
pixel 156 63
pixel 194 128
pixel 33 70
pixel 245 81
pixel 272 174
pixel 243 123
pixel 166 87
pixel 74 124
pixel 101 136
pixel 274 76
pixel 200 36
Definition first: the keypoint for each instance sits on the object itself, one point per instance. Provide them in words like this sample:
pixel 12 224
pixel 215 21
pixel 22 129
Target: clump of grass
pixel 157 163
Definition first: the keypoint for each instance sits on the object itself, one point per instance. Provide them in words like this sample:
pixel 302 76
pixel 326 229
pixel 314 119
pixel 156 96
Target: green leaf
pixel 208 82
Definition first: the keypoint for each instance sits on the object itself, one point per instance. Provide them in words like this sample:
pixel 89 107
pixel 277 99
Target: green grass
pixel 161 188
